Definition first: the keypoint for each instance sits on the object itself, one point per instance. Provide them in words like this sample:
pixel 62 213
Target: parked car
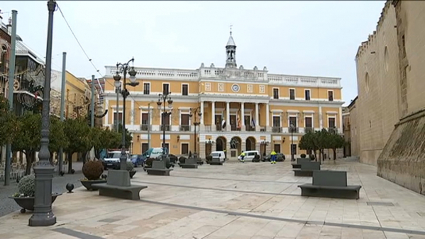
pixel 249 155
pixel 112 159
pixel 173 158
pixel 280 157
pixel 218 154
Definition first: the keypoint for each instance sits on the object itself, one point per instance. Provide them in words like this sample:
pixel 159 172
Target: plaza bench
pixel 298 163
pixel 158 168
pixel 216 161
pixel 307 169
pixel 189 163
pixel 118 185
pixel 330 184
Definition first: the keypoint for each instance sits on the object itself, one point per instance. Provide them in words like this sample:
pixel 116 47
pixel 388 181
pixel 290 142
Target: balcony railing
pixel 184 128
pixel 308 129
pixel 234 128
pixel 167 127
pixel 145 127
pixel 277 129
pixel 218 127
pixel 293 129
pixel 249 128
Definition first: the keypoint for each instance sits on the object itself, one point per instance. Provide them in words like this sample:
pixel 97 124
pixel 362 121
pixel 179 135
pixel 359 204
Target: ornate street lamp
pixel 124 68
pixel 43 214
pixel 292 127
pixel 193 113
pixel 165 97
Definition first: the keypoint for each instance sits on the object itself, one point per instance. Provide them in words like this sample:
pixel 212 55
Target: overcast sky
pixel 301 38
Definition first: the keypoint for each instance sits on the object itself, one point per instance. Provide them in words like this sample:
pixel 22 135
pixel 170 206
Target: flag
pixel 223 124
pixel 253 123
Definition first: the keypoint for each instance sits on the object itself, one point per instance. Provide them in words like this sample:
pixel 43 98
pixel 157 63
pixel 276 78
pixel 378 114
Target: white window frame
pixel 278 93
pixel 333 95
pixel 295 93
pixel 181 147
pixel 169 87
pixel 187 88
pixel 150 88
pixel 305 95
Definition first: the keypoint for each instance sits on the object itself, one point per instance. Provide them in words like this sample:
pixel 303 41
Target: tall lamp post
pixel 193 113
pixel 117 89
pixel 292 142
pixel 43 214
pixel 124 68
pixel 164 98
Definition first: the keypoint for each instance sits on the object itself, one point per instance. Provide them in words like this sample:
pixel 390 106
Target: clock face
pixel 235 88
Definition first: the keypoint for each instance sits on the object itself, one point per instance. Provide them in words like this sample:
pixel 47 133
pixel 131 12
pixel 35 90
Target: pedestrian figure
pixel 273 157
pixel 243 156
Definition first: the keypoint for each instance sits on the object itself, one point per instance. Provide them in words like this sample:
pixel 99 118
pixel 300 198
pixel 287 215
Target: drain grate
pixel 380 204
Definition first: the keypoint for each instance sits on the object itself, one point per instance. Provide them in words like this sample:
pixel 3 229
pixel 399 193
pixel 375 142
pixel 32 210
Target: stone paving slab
pixel 251 200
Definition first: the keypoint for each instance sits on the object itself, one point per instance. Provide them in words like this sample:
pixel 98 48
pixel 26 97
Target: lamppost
pixel 193 113
pixel 43 214
pixel 165 97
pixel 123 68
pixel 117 89
pixel 292 142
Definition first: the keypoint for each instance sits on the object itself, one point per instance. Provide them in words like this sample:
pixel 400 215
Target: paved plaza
pixel 251 200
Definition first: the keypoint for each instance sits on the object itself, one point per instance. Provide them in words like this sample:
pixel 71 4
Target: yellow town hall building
pixel 249 109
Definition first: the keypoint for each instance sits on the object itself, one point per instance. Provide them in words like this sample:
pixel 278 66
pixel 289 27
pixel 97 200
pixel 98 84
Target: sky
pixel 296 38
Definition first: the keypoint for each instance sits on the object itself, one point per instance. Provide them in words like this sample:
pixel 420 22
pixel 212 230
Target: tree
pixel 27 139
pixel 335 141
pixel 8 123
pixel 78 135
pixel 105 139
pixel 128 136
pixel 310 141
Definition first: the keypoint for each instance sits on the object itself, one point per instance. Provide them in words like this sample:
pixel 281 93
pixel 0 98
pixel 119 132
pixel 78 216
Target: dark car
pixel 173 158
pixel 280 157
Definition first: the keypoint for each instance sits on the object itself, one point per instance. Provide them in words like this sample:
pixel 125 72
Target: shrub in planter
pixel 182 159
pixel 26 186
pixel 312 157
pixel 92 170
pixel 208 158
pixel 303 156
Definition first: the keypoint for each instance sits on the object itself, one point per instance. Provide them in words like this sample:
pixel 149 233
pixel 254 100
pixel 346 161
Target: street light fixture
pixel 292 142
pixel 124 68
pixel 43 214
pixel 165 97
pixel 193 113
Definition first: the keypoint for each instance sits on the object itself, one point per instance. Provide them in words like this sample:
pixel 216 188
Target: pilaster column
pixel 213 128
pixel 257 123
pixel 340 130
pixel 320 118
pixel 267 116
pixel 202 113
pixel 132 113
pixel 242 116
pixel 228 116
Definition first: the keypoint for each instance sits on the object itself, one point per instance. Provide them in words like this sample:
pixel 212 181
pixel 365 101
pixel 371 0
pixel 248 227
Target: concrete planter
pixel 27 203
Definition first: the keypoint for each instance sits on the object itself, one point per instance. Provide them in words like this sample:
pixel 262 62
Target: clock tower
pixel 231 52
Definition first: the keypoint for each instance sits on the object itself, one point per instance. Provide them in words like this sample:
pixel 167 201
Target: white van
pixel 153 153
pixel 249 155
pixel 219 154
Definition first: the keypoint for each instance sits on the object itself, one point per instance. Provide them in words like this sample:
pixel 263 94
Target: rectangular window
pixel 308 122
pixel 293 121
pixel 145 121
pixel 330 95
pixel 166 119
pixel 275 93
pixel 185 89
pixel 331 122
pixel 276 121
pixel 276 148
pixel 145 147
pixel 185 148
pixel 146 88
pixel 307 94
pixel 119 120
pixel 184 125
pixel 165 89
pixel 292 94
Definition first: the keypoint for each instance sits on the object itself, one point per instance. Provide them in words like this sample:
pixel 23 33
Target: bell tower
pixel 231 52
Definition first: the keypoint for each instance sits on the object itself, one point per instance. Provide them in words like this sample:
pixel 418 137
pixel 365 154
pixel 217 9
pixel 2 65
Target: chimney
pixel 9 26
